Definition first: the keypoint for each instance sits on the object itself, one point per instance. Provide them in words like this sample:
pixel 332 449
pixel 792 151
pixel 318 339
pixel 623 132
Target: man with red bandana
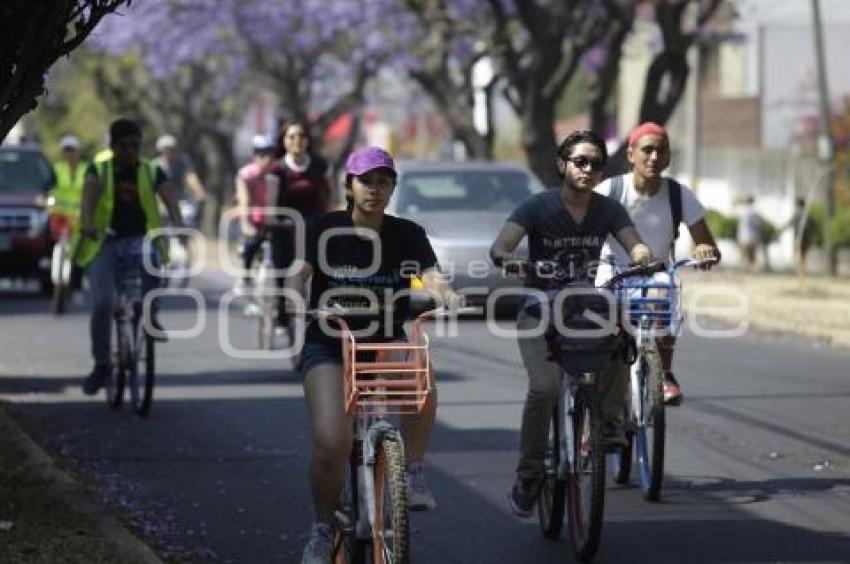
pixel 650 199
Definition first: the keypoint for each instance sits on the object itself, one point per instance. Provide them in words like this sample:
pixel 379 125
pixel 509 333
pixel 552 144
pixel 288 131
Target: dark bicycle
pixel 583 335
pixel 133 354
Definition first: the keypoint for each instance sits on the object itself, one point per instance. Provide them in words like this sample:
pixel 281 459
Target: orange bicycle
pixel 379 380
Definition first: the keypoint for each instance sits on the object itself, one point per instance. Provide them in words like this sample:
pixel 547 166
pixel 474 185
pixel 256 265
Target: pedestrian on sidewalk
pixel 749 232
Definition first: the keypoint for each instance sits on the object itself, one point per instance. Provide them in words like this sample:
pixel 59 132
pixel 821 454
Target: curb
pixel 130 547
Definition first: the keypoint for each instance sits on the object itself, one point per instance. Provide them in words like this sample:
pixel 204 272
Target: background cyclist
pixel 303 185
pixel 252 192
pixel 69 173
pixel 185 184
pixel 119 195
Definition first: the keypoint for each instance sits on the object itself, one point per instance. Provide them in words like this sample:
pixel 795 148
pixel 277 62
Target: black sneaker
pixel 97 379
pixel 523 495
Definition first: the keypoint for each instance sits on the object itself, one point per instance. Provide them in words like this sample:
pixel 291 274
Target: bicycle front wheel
pixel 553 491
pixel 115 381
pixel 651 428
pixel 390 533
pixel 59 265
pixel 265 328
pixel 142 372
pixel 586 478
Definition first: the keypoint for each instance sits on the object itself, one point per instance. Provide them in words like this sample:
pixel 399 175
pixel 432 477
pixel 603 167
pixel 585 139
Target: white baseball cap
pixel 262 143
pixel 165 142
pixel 69 142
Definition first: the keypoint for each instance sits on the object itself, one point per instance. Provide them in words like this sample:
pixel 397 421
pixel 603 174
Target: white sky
pixel 792 11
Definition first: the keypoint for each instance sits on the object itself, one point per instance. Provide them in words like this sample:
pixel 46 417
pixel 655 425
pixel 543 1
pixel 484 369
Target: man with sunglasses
pixel 657 205
pixel 119 209
pixel 575 220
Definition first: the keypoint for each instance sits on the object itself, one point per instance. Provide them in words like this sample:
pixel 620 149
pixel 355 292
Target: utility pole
pixel 826 147
pixel 693 147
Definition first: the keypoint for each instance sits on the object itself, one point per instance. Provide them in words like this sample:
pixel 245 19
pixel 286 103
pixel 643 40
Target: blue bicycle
pixel 652 311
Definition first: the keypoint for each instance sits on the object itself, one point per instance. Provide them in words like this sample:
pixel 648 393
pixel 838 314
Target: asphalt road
pixel 758 455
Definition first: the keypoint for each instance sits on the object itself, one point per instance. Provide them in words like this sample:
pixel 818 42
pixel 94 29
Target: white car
pixel 462 206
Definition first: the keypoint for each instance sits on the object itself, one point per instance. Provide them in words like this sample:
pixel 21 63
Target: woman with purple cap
pixel 363 236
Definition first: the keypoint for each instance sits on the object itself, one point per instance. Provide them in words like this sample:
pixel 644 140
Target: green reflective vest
pixel 85 249
pixel 69 188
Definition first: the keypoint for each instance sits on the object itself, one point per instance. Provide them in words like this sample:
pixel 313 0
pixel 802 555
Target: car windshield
pixel 23 172
pixel 464 190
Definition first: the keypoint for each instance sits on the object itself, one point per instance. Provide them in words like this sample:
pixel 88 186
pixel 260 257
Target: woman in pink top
pixel 252 194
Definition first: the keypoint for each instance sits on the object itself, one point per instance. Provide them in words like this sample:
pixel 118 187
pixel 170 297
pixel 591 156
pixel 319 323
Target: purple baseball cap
pixel 366 159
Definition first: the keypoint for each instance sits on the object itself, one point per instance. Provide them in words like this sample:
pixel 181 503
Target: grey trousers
pixel 101 277
pixel 544 379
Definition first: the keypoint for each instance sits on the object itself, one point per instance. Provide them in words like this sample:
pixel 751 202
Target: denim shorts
pixel 318 352
pixel 315 353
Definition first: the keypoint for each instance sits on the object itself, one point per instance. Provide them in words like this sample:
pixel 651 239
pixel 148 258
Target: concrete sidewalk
pixel 818 308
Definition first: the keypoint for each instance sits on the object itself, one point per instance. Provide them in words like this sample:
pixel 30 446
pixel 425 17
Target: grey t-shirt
pixel 552 230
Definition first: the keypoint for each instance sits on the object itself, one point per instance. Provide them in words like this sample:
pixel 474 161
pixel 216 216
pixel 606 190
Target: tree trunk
pixel 538 140
pixel 657 105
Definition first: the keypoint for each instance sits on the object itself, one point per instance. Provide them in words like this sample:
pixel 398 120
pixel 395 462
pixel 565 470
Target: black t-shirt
pixel 405 252
pixel 302 191
pixel 128 217
pixel 552 230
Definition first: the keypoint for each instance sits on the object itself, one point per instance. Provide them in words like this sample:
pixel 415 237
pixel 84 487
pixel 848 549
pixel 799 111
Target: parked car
pixel 25 176
pixel 462 206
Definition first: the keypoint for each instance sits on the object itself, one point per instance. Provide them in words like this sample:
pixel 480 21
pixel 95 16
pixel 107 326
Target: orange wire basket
pixel 397 381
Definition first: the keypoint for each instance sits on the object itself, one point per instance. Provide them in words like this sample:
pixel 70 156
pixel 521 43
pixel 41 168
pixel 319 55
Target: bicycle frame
pixel 651 316
pixel 566 408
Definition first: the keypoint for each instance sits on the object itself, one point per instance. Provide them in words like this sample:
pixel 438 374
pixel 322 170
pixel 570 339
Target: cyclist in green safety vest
pixel 119 209
pixel 69 172
pixel 64 198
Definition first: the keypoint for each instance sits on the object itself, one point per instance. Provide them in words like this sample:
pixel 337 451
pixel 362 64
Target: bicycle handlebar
pixel 633 271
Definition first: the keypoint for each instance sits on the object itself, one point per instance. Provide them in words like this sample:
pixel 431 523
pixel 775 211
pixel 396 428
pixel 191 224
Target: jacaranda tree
pixel 33 35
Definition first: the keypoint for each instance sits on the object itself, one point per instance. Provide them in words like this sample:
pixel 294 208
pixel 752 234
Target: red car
pixel 25 241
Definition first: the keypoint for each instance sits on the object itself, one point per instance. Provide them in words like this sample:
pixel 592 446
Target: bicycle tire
pixel 60 288
pixel 586 478
pixel 390 541
pixel 266 324
pixel 142 372
pixel 651 429
pixel 551 502
pixel 115 381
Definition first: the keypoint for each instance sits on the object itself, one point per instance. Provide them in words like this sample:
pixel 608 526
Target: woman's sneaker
pixel 419 497
pixel 320 545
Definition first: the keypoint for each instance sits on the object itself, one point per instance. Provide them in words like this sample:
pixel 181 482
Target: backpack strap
pixel 675 205
pixel 675 192
pixel 616 192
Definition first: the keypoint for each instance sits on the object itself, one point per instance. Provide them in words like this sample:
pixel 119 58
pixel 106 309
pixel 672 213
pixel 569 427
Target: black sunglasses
pixel 582 162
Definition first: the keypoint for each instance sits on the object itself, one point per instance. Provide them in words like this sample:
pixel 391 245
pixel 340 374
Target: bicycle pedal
pixel 344 521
